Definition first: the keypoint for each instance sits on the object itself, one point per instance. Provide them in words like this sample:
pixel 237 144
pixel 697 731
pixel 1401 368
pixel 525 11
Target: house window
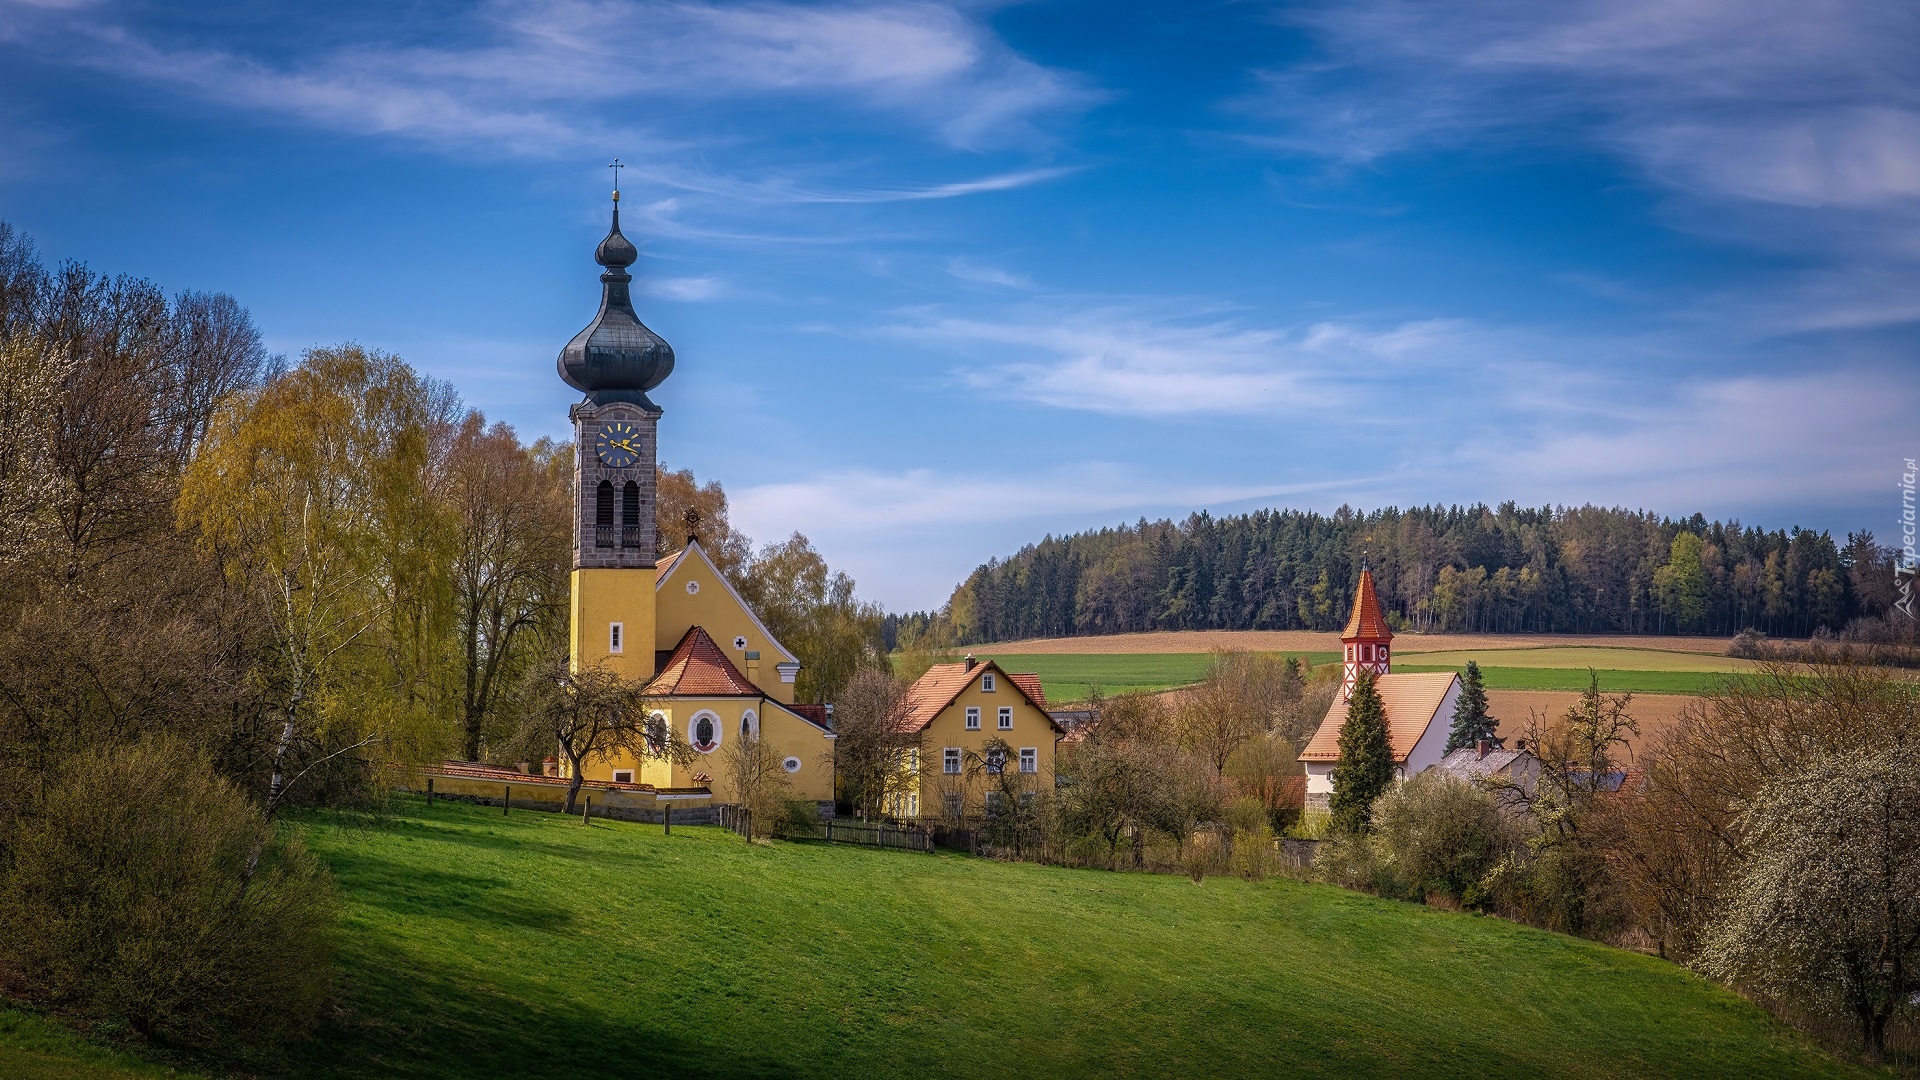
pixel 749 724
pixel 614 634
pixel 1027 799
pixel 994 801
pixel 986 683
pixel 950 761
pixel 996 761
pixel 951 801
pixel 623 776
pixel 657 732
pixel 913 760
pixel 913 806
pixel 792 764
pixel 1006 718
pixel 1029 759
pixel 973 718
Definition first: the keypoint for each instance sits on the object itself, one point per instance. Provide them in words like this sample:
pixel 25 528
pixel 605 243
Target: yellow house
pixel 962 712
pixel 672 622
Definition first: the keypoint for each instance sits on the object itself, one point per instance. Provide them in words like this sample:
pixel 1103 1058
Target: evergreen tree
pixel 1365 767
pixel 1470 720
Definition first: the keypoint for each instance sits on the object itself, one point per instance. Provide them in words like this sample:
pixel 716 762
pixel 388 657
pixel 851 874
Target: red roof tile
pixel 698 668
pixel 664 564
pixel 931 693
pixel 1366 623
pixel 1412 699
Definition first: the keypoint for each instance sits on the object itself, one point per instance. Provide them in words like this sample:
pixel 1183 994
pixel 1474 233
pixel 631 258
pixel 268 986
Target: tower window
pixel 630 515
pixel 603 514
pixel 614 636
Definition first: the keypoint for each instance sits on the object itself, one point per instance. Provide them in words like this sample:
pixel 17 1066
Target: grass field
pixel 1070 677
pixel 530 946
pixel 33 1049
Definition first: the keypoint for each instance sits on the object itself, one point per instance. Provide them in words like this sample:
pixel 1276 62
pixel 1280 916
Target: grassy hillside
pixel 1071 676
pixel 529 946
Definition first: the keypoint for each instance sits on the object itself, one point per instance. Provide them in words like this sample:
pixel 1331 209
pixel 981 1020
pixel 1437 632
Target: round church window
pixel 792 764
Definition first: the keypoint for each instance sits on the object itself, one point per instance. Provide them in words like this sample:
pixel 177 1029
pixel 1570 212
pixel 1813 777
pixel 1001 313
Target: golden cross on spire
pixel 616 167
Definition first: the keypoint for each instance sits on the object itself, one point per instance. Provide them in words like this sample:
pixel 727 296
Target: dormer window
pixel 986 683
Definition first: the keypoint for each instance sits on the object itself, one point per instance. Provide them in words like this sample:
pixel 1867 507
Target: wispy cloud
pixel 705 287
pixel 558 76
pixel 1126 360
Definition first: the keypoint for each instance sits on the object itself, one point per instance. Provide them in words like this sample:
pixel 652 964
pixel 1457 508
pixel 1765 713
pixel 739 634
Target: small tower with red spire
pixel 1366 641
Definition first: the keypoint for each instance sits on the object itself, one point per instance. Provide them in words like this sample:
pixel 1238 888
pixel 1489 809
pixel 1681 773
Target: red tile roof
pixel 698 668
pixel 1413 701
pixel 664 564
pixel 1366 623
pixel 931 693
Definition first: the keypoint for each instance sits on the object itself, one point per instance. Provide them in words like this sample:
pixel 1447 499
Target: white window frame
pixel 954 803
pixel 750 724
pixel 1029 759
pixel 973 718
pixel 986 683
pixel 719 730
pixel 616 637
pixel 996 762
pixel 950 761
pixel 1006 718
pixel 618 773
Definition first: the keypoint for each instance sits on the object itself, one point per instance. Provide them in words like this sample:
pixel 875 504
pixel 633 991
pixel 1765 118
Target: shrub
pixel 1439 835
pixel 123 898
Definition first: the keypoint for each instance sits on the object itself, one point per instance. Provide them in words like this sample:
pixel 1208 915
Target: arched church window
pixel 603 514
pixel 705 732
pixel 748 722
pixel 630 515
pixel 657 732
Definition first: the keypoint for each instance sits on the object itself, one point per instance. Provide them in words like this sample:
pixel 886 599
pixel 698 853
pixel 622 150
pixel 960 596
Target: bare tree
pixel 591 713
pixel 872 738
pixel 760 782
pixel 512 512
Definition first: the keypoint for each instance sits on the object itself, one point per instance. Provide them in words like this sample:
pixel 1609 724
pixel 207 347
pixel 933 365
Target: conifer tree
pixel 1365 767
pixel 1470 720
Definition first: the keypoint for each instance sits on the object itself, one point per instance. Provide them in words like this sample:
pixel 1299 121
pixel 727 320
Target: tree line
pixel 1504 569
pixel 230 582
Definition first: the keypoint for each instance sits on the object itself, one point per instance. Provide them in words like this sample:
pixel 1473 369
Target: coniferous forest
pixel 1509 569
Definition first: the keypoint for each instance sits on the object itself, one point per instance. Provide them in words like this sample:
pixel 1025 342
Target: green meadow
pixel 1071 677
pixel 483 945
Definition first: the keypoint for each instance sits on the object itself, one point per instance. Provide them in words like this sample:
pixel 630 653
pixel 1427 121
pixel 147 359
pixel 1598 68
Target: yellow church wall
pixel 1032 728
pixel 601 598
pixel 786 734
pixel 712 605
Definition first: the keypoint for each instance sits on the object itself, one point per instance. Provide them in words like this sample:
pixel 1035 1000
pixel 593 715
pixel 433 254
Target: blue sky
pixel 943 278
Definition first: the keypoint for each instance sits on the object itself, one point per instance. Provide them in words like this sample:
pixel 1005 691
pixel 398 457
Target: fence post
pixel 429 791
pixel 586 811
pixel 506 804
pixel 666 817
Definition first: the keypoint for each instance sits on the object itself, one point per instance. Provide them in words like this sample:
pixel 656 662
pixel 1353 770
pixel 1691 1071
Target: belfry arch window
pixel 603 514
pixel 630 515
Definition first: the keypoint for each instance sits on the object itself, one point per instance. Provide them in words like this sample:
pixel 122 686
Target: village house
pixel 973 718
pixel 1419 705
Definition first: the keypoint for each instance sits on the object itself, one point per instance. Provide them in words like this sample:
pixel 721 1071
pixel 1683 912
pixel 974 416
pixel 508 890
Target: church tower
pixel 1366 640
pixel 614 362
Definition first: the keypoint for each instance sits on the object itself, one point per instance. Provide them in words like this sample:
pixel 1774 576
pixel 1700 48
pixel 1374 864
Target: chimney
pixel 1482 747
pixel 971 662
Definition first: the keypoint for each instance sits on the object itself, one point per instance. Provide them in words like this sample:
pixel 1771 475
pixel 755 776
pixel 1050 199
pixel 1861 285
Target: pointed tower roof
pixel 616 358
pixel 1366 623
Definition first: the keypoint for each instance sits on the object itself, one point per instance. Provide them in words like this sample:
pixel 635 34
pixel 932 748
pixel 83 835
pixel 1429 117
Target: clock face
pixel 617 444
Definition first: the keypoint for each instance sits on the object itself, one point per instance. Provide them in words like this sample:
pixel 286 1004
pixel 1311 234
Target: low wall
pixel 543 793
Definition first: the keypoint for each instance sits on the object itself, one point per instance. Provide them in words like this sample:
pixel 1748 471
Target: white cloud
pixel 1132 361
pixel 540 78
pixel 967 270
pixel 706 287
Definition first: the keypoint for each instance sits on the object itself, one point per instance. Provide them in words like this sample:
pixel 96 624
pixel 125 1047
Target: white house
pixel 1419 705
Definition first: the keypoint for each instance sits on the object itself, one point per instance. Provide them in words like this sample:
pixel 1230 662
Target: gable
pixel 713 604
pixel 943 684
pixel 1413 702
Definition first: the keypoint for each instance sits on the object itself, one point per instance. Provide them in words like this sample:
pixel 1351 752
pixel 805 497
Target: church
pixel 672 622
pixel 1419 704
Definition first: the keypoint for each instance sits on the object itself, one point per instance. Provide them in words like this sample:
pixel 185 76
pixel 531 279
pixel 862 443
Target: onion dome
pixel 616 358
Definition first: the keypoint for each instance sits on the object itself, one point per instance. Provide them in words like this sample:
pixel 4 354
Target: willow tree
pixel 315 492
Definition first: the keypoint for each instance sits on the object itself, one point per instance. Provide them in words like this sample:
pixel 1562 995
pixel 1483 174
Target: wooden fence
pixel 836 831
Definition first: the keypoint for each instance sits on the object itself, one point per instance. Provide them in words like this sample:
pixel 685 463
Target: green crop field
pixel 478 944
pixel 1070 677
